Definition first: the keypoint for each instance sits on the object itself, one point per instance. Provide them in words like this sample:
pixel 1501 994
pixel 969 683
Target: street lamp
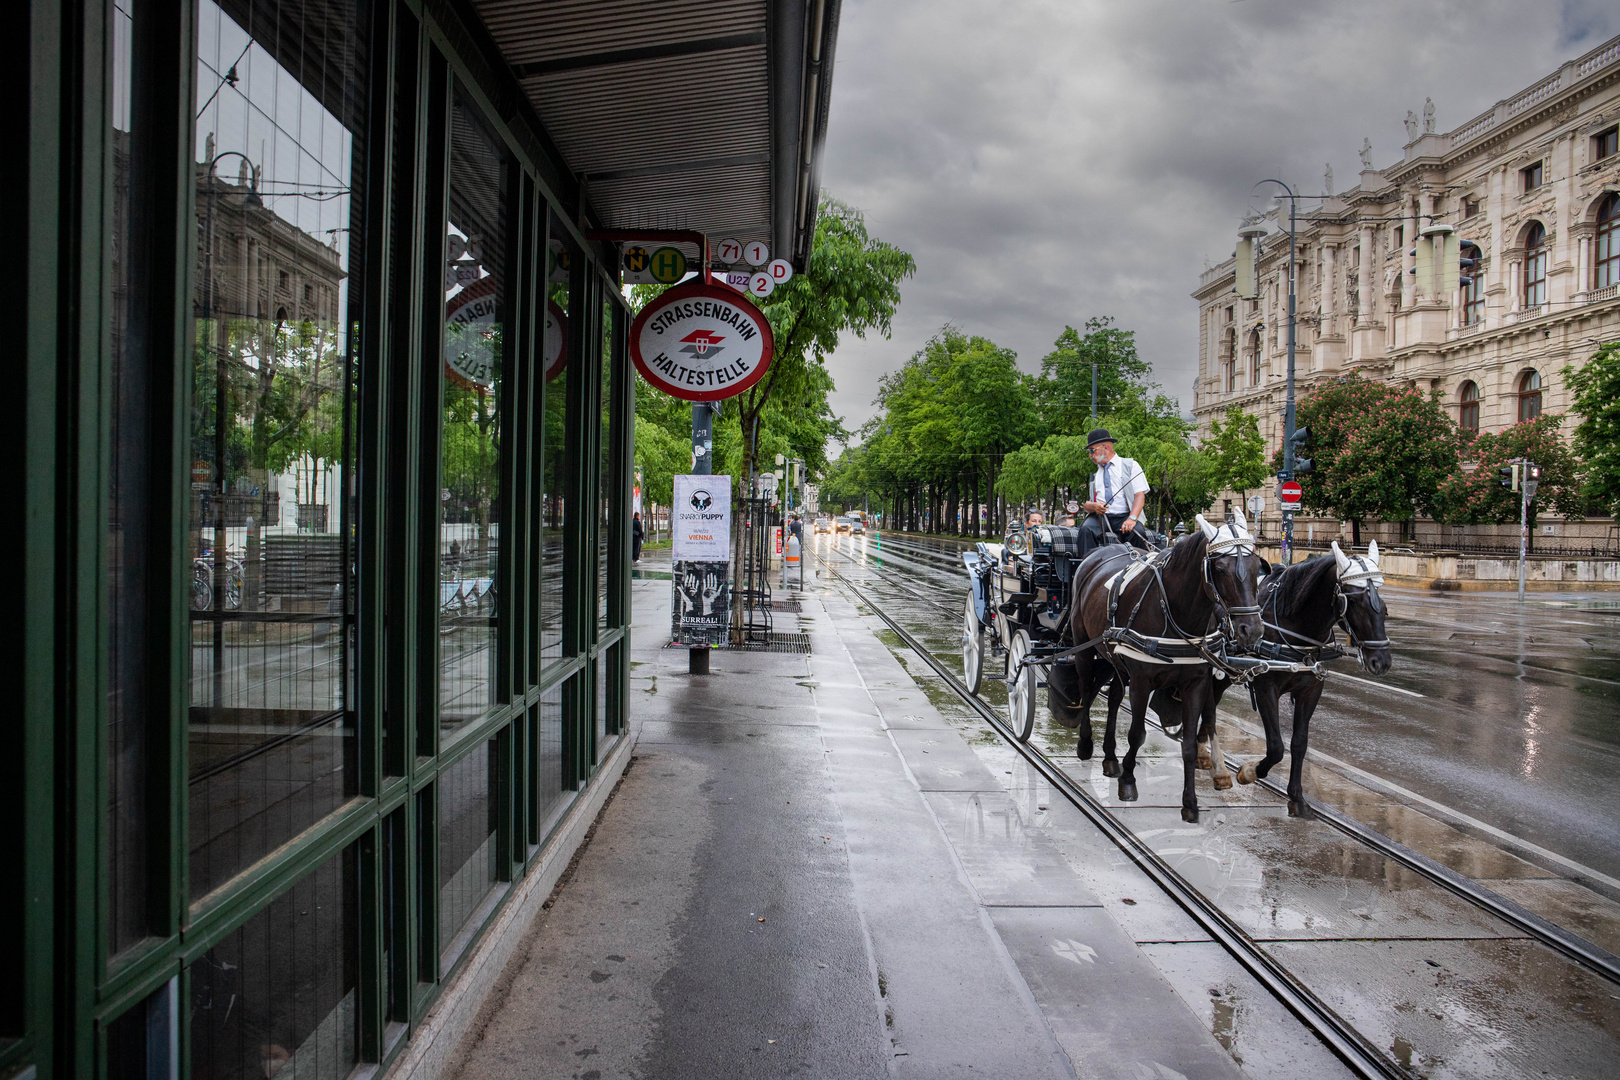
pixel 1247 237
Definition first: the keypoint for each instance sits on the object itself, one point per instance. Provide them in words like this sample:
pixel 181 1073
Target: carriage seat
pixel 1058 539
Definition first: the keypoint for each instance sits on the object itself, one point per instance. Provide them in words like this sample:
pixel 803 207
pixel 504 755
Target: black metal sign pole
pixel 702 464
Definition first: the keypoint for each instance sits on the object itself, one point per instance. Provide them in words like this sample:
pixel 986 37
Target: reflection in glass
pixel 467 851
pixel 277 151
pixel 554 436
pixel 125 549
pixel 469 476
pixel 547 750
pixel 277 997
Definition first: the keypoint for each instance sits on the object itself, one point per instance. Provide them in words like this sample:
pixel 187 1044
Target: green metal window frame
pixel 54 1017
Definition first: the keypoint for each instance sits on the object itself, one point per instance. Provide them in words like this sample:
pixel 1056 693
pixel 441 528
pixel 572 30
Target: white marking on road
pixel 1075 951
pixel 1580 869
pixel 1379 685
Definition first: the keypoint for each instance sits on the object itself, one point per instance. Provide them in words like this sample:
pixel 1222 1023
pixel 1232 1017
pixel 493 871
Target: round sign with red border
pixel 556 340
pixel 701 342
pixel 1290 492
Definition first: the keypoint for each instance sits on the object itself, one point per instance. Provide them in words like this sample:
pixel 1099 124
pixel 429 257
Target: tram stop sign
pixel 1289 492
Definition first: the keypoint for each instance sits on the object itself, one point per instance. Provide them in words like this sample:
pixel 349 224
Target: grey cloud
pixel 1046 162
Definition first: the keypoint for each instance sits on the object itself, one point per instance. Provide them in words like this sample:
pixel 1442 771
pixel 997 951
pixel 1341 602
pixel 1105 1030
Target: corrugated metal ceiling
pixel 663 108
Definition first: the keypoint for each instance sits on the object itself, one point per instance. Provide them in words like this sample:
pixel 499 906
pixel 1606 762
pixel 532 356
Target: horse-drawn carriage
pixel 1018 610
pixel 1177 626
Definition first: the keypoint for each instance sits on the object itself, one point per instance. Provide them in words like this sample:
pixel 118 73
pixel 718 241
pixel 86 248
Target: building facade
pixel 1532 188
pixel 317 662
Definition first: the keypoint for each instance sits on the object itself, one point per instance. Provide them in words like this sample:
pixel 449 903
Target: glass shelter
pixel 319 639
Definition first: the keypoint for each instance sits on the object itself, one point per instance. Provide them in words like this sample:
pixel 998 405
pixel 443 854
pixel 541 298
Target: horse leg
pixel 1137 733
pixel 1192 707
pixel 1116 691
pixel 1221 777
pixel 1304 705
pixel 1265 696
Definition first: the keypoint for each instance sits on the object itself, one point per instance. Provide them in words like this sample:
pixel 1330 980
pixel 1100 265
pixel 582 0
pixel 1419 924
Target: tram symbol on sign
pixel 702 343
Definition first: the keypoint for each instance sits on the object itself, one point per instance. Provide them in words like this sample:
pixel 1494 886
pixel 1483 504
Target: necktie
pixel 1108 488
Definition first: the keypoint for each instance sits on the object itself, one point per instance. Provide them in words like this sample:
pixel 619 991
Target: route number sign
pixel 636 261
pixel 757 253
pixel 729 251
pixel 668 265
pixel 761 284
pixel 780 270
pixel 701 342
pixel 1289 492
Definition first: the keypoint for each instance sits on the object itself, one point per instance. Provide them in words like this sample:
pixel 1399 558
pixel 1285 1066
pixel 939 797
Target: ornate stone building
pixel 1532 187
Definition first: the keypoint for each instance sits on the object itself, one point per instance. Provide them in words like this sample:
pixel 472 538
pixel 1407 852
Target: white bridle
pixel 1230 538
pixel 1358 569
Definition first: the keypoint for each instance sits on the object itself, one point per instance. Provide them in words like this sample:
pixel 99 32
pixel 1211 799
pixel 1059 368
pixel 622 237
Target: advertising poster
pixel 700 524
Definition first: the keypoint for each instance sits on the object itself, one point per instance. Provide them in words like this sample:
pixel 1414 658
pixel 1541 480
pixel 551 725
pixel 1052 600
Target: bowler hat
pixel 1098 435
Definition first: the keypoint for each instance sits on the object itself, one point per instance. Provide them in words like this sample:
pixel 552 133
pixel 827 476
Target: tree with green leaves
pixel 851 284
pixel 1380 451
pixel 1473 493
pixel 1596 386
pixel 1238 450
pixel 1064 388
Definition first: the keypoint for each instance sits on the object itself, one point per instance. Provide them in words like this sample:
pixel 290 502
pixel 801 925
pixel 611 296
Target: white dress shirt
pixel 1125 479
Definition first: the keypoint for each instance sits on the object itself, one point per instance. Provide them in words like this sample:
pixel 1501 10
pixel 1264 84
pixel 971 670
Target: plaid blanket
pixel 1065 539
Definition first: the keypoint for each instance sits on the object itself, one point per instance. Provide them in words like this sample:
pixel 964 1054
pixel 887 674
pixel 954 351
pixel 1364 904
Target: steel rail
pixel 1589 955
pixel 1550 934
pixel 1337 1034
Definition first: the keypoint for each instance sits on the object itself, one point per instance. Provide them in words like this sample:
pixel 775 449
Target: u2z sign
pixel 701 342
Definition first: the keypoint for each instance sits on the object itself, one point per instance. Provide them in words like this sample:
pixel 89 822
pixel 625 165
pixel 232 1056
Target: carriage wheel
pixel 1020 688
pixel 972 648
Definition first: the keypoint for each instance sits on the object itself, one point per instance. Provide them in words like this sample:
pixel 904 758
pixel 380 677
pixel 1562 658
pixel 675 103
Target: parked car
pixel 845 524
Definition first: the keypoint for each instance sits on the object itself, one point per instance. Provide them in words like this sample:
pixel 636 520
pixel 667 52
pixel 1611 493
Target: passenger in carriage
pixel 1118 492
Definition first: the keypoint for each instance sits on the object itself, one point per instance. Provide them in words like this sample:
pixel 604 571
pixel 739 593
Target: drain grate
pixel 771 641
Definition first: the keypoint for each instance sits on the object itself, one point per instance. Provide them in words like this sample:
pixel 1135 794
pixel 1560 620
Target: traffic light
pixel 1511 476
pixel 1301 444
pixel 1466 264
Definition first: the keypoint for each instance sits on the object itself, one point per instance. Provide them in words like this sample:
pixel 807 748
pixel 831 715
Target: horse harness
pixel 1282 656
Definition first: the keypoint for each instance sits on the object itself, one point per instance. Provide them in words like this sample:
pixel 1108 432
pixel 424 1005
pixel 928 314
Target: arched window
pixel 1468 410
pixel 1535 266
pixel 1473 288
pixel 1606 267
pixel 1254 358
pixel 1529 395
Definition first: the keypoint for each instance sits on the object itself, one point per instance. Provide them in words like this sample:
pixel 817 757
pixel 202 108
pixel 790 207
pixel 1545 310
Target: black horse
pixel 1301 606
pixel 1152 631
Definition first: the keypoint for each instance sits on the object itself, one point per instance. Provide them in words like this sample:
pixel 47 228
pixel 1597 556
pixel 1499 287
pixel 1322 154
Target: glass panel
pixel 143 1044
pixel 125 551
pixel 277 997
pixel 278 151
pixel 548 764
pixel 553 437
pixel 466 843
pixel 474 312
pixel 604 476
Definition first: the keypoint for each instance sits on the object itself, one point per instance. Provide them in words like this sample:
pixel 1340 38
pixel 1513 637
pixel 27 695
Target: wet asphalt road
pixel 1510 715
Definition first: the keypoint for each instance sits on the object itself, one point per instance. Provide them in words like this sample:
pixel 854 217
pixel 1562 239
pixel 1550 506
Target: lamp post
pixel 1250 233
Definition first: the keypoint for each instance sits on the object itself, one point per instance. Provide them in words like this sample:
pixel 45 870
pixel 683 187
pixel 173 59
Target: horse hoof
pixel 1246 774
pixel 1127 792
pixel 1189 816
pixel 1111 767
pixel 1204 760
pixel 1084 751
pixel 1300 808
pixel 1223 781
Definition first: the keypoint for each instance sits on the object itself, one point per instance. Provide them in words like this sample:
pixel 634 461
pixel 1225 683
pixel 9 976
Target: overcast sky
pixel 1050 160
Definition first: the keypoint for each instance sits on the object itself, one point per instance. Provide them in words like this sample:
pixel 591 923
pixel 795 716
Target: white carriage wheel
pixel 1020 688
pixel 972 648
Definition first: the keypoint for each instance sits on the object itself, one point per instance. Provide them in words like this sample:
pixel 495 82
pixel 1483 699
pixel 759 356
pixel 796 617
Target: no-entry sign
pixel 701 342
pixel 1289 492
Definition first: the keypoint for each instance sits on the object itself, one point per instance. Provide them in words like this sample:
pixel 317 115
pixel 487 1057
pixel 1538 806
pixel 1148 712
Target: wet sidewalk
pixel 807 870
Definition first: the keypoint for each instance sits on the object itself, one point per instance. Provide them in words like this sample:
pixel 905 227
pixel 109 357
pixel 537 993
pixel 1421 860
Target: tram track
pixel 1341 1037
pixel 1346 1043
